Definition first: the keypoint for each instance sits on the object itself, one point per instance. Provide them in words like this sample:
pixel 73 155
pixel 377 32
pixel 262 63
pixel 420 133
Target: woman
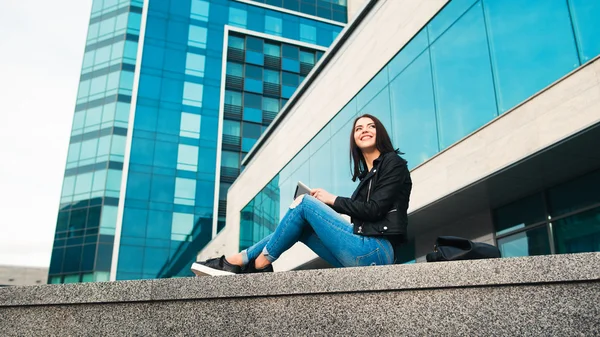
pixel 377 209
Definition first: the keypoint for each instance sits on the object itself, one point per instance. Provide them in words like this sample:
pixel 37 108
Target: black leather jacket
pixel 378 206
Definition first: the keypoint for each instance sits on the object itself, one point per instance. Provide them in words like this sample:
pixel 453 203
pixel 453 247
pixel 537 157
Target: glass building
pixel 172 95
pixel 472 63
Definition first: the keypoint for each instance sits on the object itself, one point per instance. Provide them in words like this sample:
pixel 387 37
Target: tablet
pixel 301 189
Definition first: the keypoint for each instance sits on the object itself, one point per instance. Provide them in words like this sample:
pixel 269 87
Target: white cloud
pixel 42 45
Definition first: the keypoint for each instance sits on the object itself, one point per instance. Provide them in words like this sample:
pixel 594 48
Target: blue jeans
pixel 325 232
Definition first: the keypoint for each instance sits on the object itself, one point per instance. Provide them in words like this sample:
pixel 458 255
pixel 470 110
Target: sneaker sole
pixel 202 270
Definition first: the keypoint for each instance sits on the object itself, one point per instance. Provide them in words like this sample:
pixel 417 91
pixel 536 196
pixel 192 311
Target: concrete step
pixel 545 295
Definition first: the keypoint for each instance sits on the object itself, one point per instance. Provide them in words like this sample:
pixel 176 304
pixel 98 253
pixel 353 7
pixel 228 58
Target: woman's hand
pixel 323 195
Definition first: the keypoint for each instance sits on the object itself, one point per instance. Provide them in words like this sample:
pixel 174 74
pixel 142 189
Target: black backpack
pixel 452 248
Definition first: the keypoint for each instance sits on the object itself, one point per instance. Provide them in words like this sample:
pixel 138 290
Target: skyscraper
pixel 172 95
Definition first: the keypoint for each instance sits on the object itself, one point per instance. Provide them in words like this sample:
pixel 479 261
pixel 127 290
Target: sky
pixel 41 51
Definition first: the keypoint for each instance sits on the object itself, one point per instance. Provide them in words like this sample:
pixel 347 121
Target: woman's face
pixel 365 133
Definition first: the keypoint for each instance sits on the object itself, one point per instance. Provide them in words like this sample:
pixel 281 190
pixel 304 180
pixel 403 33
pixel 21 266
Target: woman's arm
pixel 390 180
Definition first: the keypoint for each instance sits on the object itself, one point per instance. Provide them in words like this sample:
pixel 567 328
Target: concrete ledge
pixel 478 273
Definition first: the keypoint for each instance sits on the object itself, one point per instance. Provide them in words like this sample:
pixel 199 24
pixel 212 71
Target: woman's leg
pixel 334 232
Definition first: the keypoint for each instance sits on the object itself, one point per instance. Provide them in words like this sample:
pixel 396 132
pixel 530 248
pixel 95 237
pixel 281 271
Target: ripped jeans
pixel 324 231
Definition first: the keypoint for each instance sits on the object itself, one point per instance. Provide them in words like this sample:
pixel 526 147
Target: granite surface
pixel 555 309
pixel 477 273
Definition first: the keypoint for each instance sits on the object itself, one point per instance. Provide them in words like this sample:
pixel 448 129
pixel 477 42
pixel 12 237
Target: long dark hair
pixel 383 143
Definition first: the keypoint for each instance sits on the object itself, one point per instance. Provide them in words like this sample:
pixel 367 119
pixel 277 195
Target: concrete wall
pixel 544 296
pixel 20 275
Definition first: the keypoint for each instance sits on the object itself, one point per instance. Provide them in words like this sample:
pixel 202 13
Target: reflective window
pixel 190 125
pixel 195 64
pixel 537 36
pixel 200 10
pixel 463 106
pixel 185 191
pixel 238 17
pixel 187 158
pixel 192 94
pixel 197 36
pixel 529 243
pixel 273 25
pixel 578 233
pixel 413 112
pixel 584 14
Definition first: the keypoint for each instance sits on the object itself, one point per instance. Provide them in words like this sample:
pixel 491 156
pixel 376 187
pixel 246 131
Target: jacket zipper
pixel 368 195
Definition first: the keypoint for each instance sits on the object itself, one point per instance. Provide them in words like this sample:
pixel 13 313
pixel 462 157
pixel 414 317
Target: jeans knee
pixel 297 201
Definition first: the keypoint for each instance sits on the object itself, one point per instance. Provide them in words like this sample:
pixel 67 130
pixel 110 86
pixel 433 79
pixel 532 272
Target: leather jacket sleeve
pixel 390 180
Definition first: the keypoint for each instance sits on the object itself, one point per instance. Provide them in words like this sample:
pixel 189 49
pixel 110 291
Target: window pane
pixel 532 45
pixel 190 125
pixel 231 128
pixel 585 16
pixel 235 42
pixel 463 104
pixel 192 94
pixel 271 76
pixel 187 158
pixel 308 33
pixel 270 104
pixel 185 190
pixel 200 10
pixel 578 233
pixel 307 57
pixel 195 64
pixel 273 25
pixel 413 112
pixel 197 36
pixel 575 195
pixel 230 159
pixel 531 242
pixel 234 69
pixel 272 50
pixel 233 98
pixel 521 213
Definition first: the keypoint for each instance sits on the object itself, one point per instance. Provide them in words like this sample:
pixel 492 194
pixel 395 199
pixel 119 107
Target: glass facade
pixel 168 206
pixel 85 228
pixel 475 60
pixel 261 76
pixel 563 219
pixel 327 9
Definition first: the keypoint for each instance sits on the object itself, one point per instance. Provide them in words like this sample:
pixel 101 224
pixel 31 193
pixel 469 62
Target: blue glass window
pixel 134 222
pixel 537 36
pixel 290 65
pixel 413 112
pixel 271 76
pixel 238 17
pixel 182 226
pixel 192 94
pixel 272 50
pixel 190 125
pixel 308 33
pixel 235 42
pixel 185 191
pixel 255 57
pixel 194 64
pixel 273 25
pixel 187 158
pixel 585 16
pixel 463 106
pixel 234 69
pixel 253 115
pixel 197 36
pixel 200 10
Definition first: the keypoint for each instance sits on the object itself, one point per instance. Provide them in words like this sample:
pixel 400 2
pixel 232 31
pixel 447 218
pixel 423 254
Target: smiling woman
pixel 377 209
